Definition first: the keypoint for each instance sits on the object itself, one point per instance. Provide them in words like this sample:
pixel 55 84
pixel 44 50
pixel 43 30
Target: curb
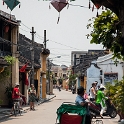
pixel 25 110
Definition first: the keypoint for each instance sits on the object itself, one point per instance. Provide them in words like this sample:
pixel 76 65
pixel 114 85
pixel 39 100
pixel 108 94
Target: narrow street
pixel 46 112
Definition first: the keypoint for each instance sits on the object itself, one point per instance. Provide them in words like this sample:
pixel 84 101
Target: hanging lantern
pixel 11 3
pixel 6 28
pixel 97 13
pixel 59 5
pixel 97 5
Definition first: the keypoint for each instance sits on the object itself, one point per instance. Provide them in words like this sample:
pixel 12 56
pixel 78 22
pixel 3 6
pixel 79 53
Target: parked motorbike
pixel 95 109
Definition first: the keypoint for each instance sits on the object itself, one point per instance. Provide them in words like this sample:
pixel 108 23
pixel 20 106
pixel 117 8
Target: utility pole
pixel 44 55
pixel 32 56
pixel 49 74
pixel 44 39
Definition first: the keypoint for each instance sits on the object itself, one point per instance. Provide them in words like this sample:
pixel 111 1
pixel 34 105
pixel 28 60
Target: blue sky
pixel 66 36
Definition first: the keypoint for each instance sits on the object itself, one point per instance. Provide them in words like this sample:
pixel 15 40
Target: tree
pixel 116 93
pixel 106 32
pixel 60 80
pixel 72 80
pixel 116 6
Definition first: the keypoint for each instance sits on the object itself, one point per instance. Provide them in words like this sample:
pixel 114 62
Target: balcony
pixel 5 47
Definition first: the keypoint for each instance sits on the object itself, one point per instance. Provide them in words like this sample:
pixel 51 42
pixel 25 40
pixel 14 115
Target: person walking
pixel 93 92
pixel 32 96
pixel 100 99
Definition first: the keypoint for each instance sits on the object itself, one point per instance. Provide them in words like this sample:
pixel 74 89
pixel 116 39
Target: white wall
pixel 106 63
pixel 93 74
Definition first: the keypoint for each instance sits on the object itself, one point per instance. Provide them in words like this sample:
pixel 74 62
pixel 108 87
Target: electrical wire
pixel 51 40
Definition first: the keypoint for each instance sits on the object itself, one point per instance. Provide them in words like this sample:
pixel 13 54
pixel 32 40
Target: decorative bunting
pixel 93 8
pixel 97 13
pixel 89 4
pixel 102 7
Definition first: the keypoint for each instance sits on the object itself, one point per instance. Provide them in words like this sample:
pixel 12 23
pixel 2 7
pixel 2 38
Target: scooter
pixel 95 109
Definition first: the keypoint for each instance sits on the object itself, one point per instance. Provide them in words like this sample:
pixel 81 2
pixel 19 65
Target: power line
pixel 51 40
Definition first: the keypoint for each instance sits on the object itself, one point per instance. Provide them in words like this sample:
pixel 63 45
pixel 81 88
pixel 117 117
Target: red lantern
pixel 6 28
pixel 97 5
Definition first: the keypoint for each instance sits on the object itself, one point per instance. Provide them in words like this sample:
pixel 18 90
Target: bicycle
pixel 16 107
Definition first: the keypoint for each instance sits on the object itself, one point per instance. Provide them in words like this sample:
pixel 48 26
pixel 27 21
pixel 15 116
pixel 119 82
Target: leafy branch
pixel 107 31
pixel 10 59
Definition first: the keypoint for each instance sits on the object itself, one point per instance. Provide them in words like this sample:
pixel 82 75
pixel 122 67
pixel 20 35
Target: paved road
pixel 46 112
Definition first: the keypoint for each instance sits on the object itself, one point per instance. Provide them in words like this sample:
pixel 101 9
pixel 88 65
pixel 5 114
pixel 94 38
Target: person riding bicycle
pixel 16 95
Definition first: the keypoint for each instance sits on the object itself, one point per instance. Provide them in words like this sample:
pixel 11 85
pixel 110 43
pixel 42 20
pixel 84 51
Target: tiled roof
pixel 87 59
pixel 3 62
pixel 24 48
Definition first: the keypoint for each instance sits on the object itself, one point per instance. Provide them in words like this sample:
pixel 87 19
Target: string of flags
pixel 11 4
pixel 60 4
pixel 57 4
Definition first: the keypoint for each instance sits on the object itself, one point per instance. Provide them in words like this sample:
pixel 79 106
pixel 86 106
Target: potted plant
pixel 116 93
pixel 8 92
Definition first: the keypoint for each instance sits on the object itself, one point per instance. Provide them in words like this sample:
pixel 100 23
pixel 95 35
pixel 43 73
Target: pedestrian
pixel 93 92
pixel 59 87
pixel 32 96
pixel 100 99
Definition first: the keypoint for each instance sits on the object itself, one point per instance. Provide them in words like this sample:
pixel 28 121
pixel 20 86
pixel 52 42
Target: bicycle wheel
pixel 19 111
pixel 15 109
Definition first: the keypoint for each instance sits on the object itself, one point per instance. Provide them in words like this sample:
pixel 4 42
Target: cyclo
pixel 69 113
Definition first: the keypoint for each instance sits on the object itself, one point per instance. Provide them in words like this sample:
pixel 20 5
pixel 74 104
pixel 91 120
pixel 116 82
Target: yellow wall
pixel 83 82
pixel 43 60
pixel 37 77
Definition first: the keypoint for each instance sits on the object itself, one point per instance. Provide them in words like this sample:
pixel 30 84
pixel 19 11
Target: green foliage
pixel 54 80
pixel 8 92
pixel 106 31
pixel 60 80
pixel 116 93
pixel 1 101
pixel 10 59
pixel 5 74
pixel 72 79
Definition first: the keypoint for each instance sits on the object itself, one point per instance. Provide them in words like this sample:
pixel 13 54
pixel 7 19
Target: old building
pixel 8 46
pixel 25 45
pixel 84 62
